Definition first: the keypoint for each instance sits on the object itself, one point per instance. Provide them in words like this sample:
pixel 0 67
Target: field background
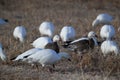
pixel 77 13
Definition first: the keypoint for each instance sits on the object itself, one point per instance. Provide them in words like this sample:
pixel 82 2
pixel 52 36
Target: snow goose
pixel 109 46
pixel 83 44
pixel 67 33
pixel 107 32
pixel 20 33
pixel 47 43
pixel 2 54
pixel 46 57
pixel 3 21
pixel 41 42
pixel 26 53
pixel 102 19
pixel 46 28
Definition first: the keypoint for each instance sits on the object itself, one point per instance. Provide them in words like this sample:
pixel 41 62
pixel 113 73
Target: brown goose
pixel 82 45
pixel 54 44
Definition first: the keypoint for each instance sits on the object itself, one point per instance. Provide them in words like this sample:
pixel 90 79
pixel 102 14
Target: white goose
pixel 46 28
pixel 2 54
pixel 102 19
pixel 46 57
pixel 41 42
pixel 25 54
pixel 109 46
pixel 67 33
pixel 20 33
pixel 107 32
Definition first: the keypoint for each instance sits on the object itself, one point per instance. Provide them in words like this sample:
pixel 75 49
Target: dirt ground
pixel 77 13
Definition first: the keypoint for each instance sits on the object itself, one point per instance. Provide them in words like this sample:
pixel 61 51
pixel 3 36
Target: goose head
pixel 95 23
pixel 92 35
pixel 56 38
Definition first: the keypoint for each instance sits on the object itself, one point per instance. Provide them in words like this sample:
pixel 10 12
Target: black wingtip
pixel 69 60
pixel 64 45
pixel 6 20
pixel 25 56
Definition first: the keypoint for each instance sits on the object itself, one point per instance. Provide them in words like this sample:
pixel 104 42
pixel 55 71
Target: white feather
pixel 80 39
pixel 41 42
pixel 26 53
pixel 46 57
pixel 109 46
pixel 20 33
pixel 47 28
pixel 102 19
pixel 67 33
pixel 107 32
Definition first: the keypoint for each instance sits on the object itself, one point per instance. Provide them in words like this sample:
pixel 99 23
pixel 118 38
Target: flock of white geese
pixel 46 50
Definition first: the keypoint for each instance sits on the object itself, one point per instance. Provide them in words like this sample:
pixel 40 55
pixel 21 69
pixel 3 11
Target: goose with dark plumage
pixel 84 44
pixel 54 44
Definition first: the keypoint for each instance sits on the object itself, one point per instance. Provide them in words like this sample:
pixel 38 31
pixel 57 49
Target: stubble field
pixel 77 13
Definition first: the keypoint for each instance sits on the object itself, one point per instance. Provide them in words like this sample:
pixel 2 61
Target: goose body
pixel 67 33
pixel 46 57
pixel 82 44
pixel 102 19
pixel 107 32
pixel 26 53
pixel 109 46
pixel 20 33
pixel 2 54
pixel 41 42
pixel 54 44
pixel 47 28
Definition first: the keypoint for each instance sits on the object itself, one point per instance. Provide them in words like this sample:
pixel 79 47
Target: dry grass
pixel 79 14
